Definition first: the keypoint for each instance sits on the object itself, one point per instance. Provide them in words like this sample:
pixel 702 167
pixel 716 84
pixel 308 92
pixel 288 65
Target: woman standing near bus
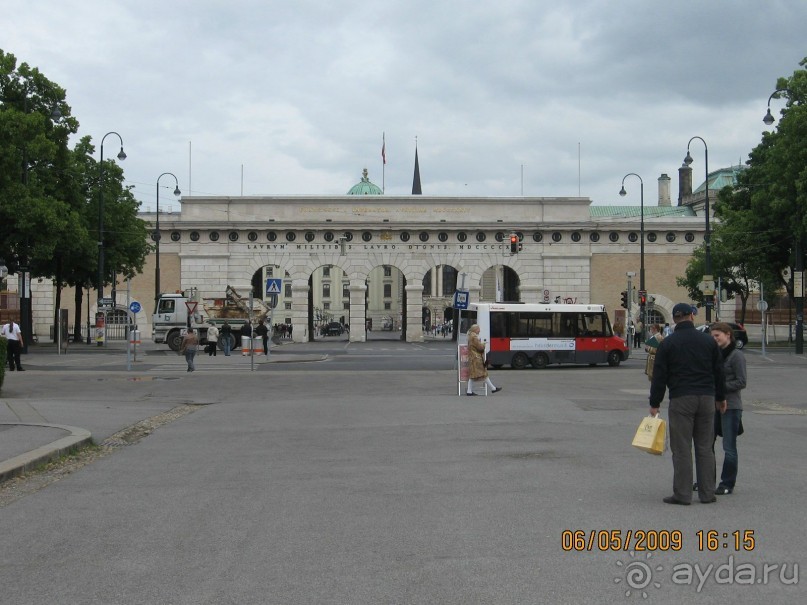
pixel 476 362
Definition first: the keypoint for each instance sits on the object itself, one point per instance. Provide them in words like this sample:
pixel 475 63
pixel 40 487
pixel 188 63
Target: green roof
pixel 631 211
pixel 365 187
pixel 725 177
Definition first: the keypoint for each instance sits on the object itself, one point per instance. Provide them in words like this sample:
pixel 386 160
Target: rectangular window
pixel 326 272
pixel 387 271
pixel 387 290
pixel 346 306
pixel 287 290
pixel 326 290
pixel 326 305
pixel 287 306
pixel 346 290
pixel 387 306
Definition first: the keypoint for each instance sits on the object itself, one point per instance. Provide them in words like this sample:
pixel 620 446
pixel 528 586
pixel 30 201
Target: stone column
pixel 358 290
pixel 299 310
pixel 414 313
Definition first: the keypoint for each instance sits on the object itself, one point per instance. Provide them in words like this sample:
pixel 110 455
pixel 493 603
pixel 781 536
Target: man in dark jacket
pixel 689 364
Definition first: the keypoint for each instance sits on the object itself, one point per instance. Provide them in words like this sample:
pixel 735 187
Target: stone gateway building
pixel 371 261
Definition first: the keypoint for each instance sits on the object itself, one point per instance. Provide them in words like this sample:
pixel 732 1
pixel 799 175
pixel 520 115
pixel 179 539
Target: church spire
pixel 416 190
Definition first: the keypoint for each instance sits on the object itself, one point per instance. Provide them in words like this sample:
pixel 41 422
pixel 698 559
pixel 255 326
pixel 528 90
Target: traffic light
pixel 624 295
pixel 514 244
pixel 642 297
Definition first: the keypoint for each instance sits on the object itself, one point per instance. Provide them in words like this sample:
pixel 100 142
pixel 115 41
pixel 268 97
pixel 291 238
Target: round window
pixel 233 236
pixel 424 237
pixel 613 236
pixel 670 237
pixel 291 236
pixel 556 236
pixel 176 236
pixel 576 236
pixel 155 236
pixel 689 237
pixel 348 236
pixel 633 237
pixel 328 236
pixel 481 237
pixel 462 236
pixel 442 236
pixel 271 236
pixel 651 237
pixel 594 236
pixel 366 236
pixel 309 236
pixel 252 236
pixel 499 237
pixel 537 237
pixel 194 236
pixel 214 236
pixel 405 236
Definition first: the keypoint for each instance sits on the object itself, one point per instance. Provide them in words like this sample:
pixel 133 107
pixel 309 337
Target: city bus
pixel 522 334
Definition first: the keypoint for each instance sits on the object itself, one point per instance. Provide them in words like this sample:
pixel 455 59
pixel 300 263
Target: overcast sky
pixel 578 93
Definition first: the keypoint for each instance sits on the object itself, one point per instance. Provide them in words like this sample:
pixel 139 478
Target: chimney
pixel 684 183
pixel 664 190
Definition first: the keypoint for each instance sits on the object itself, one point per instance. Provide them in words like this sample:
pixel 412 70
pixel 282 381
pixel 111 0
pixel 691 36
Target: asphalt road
pixel 356 479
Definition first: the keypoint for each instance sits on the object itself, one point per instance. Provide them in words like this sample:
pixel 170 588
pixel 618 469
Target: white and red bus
pixel 522 334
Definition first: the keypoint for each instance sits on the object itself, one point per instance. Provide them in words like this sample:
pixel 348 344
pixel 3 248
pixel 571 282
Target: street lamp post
pixel 157 237
pixel 642 287
pixel 798 269
pixel 121 156
pixel 707 238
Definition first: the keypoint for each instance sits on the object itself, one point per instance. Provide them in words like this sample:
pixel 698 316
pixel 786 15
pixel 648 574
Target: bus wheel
pixel 540 361
pixel 614 358
pixel 519 361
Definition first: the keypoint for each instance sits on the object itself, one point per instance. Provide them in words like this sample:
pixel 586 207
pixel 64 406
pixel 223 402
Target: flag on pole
pixel 384 147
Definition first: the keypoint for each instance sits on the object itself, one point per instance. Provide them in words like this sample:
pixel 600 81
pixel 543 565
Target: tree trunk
pixel 77 317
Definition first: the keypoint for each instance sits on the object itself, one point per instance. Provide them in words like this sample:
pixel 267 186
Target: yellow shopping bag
pixel 650 436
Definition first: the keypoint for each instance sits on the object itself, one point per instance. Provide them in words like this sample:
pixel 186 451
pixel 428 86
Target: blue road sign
pixel 134 306
pixel 273 285
pixel 461 299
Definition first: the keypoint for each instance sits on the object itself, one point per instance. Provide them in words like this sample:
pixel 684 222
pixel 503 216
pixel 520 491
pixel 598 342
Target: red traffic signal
pixel 514 244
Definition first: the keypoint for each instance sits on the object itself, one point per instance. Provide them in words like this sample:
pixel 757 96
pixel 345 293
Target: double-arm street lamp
pixel 121 156
pixel 707 238
pixel 798 269
pixel 177 192
pixel 642 288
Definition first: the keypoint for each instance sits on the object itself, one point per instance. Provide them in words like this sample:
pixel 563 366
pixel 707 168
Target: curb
pixel 18 465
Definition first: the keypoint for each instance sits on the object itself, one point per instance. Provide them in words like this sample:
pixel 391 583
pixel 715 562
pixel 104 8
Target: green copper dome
pixel 365 187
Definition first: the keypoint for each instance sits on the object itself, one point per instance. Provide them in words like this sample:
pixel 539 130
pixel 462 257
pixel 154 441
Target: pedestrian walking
pixel 227 337
pixel 212 341
pixel 188 348
pixel 689 364
pixel 263 332
pixel 11 332
pixel 476 362
pixel 729 422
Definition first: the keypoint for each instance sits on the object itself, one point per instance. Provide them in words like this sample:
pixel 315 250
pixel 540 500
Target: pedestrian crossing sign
pixel 273 285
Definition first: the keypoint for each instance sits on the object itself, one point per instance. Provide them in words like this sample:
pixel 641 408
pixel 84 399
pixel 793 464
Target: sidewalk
pixel 28 440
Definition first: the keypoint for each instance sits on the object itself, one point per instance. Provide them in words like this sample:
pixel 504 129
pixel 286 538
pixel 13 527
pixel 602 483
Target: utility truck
pixel 177 312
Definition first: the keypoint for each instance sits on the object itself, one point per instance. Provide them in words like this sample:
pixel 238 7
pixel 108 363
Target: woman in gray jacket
pixel 729 424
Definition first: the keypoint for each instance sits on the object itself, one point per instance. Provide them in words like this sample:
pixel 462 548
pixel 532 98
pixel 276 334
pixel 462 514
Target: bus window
pixel 594 325
pixel 498 325
pixel 568 325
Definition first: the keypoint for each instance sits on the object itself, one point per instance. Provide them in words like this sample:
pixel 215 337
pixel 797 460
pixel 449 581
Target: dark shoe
pixel 497 389
pixel 722 490
pixel 471 394
pixel 20 369
pixel 674 500
pixel 694 487
pixel 709 501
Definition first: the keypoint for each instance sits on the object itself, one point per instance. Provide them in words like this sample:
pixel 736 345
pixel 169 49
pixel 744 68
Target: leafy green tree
pixel 765 215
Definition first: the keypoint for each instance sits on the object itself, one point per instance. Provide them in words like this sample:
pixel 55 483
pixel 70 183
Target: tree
pixel 765 214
